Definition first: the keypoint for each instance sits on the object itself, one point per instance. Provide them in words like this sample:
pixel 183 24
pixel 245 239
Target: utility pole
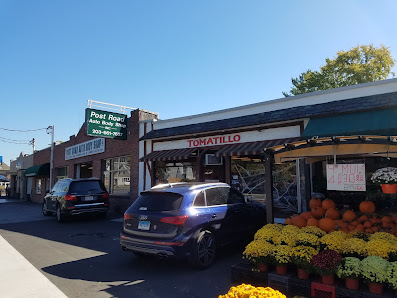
pixel 33 143
pixel 50 130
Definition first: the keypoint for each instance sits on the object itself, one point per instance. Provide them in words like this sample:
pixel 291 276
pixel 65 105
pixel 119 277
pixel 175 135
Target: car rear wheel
pixel 60 216
pixel 204 250
pixel 46 212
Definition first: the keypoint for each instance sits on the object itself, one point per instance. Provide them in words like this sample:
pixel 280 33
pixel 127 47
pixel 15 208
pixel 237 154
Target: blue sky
pixel 174 57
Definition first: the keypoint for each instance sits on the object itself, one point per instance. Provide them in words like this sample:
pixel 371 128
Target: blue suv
pixel 189 220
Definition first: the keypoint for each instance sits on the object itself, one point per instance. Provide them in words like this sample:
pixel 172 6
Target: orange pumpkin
pixel 332 213
pixel 318 212
pixel 288 221
pixel 327 204
pixel 367 224
pixel 326 224
pixel 349 216
pixel 367 207
pixel 306 215
pixel 299 221
pixel 360 228
pixel 363 218
pixel 354 223
pixel 374 229
pixel 368 231
pixel 312 222
pixel 386 219
pixel 314 203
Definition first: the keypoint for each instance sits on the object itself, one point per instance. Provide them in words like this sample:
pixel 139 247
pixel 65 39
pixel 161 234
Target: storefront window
pixel 117 175
pixel 38 186
pixel 61 173
pixel 175 172
pixel 248 176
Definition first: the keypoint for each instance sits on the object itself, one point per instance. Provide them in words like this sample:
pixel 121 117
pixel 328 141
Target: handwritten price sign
pixel 346 177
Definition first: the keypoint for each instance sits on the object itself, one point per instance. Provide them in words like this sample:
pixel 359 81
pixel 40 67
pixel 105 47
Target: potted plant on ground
pixel 259 253
pixel 281 258
pixel 350 271
pixel 301 257
pixel 374 272
pixel 387 178
pixel 326 264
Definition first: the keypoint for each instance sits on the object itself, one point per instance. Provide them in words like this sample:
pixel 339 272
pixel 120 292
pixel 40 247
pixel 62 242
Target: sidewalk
pixel 20 279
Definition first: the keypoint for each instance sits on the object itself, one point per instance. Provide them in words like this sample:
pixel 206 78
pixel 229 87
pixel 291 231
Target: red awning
pixel 164 155
pixel 252 148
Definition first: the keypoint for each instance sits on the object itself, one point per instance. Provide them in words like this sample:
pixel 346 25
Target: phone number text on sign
pixel 107 133
pixel 346 177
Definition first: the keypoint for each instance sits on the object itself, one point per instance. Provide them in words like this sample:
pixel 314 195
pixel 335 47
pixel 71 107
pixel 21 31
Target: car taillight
pixel 175 220
pixel 105 196
pixel 69 197
pixel 127 216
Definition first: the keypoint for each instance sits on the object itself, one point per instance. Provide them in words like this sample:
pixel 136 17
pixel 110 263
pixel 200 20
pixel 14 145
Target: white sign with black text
pixel 84 149
pixel 346 177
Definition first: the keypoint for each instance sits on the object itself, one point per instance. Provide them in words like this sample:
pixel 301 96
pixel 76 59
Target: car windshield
pixel 86 187
pixel 158 201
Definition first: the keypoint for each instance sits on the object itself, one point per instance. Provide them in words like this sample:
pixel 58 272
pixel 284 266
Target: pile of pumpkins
pixel 323 214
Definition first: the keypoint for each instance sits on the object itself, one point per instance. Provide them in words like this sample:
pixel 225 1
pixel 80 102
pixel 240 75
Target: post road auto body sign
pixel 346 177
pixel 87 148
pixel 106 124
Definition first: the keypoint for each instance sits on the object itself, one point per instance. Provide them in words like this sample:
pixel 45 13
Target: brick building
pixel 117 164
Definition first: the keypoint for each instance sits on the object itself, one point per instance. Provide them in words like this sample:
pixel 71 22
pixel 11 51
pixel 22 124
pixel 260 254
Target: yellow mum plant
pixel 259 251
pixel 248 291
pixel 307 240
pixel 282 254
pixel 354 247
pixel 285 239
pixel 378 247
pixel 333 241
pixel 266 234
pixel 313 230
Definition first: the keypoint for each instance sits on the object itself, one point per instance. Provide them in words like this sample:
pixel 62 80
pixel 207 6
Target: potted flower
pixel 246 290
pixel 301 257
pixel 281 258
pixel 259 253
pixel 392 276
pixel 326 264
pixel 350 271
pixel 374 271
pixel 387 178
pixel 354 247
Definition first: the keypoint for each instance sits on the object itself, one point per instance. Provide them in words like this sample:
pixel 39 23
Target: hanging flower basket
pixel 389 188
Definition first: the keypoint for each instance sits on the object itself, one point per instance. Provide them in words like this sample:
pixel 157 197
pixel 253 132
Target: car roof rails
pixel 169 185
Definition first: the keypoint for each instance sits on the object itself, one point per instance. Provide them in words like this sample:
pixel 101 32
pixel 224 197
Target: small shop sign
pixel 346 177
pixel 84 149
pixel 106 124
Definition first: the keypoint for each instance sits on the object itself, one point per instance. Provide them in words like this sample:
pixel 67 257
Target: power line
pixel 13 142
pixel 19 130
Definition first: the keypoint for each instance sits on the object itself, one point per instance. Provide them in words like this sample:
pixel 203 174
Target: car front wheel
pixel 204 250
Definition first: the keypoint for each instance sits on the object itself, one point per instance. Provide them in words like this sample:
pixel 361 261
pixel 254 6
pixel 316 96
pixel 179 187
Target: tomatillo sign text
pixel 106 124
pixel 217 140
pixel 87 148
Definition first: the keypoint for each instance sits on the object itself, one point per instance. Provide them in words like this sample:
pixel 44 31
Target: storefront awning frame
pixel 169 155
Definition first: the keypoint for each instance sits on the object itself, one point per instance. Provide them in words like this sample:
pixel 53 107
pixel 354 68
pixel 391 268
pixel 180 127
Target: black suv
pixel 76 196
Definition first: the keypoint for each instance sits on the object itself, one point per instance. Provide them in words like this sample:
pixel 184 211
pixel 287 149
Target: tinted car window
pixel 158 201
pixel 217 196
pixel 85 187
pixel 235 197
pixel 199 200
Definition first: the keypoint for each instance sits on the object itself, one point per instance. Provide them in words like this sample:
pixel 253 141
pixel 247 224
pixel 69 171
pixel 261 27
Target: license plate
pixel 144 225
pixel 89 198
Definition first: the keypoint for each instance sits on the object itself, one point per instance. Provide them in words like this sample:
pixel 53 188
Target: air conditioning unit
pixel 213 160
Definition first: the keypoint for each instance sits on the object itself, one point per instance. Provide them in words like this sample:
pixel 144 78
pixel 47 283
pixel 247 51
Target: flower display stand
pixel 299 287
pixel 279 282
pixel 246 273
pixel 320 290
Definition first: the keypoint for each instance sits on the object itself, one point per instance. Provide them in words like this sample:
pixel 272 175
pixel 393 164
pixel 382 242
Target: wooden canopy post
pixel 269 161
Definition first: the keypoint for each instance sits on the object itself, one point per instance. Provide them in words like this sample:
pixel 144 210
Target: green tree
pixel 361 64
